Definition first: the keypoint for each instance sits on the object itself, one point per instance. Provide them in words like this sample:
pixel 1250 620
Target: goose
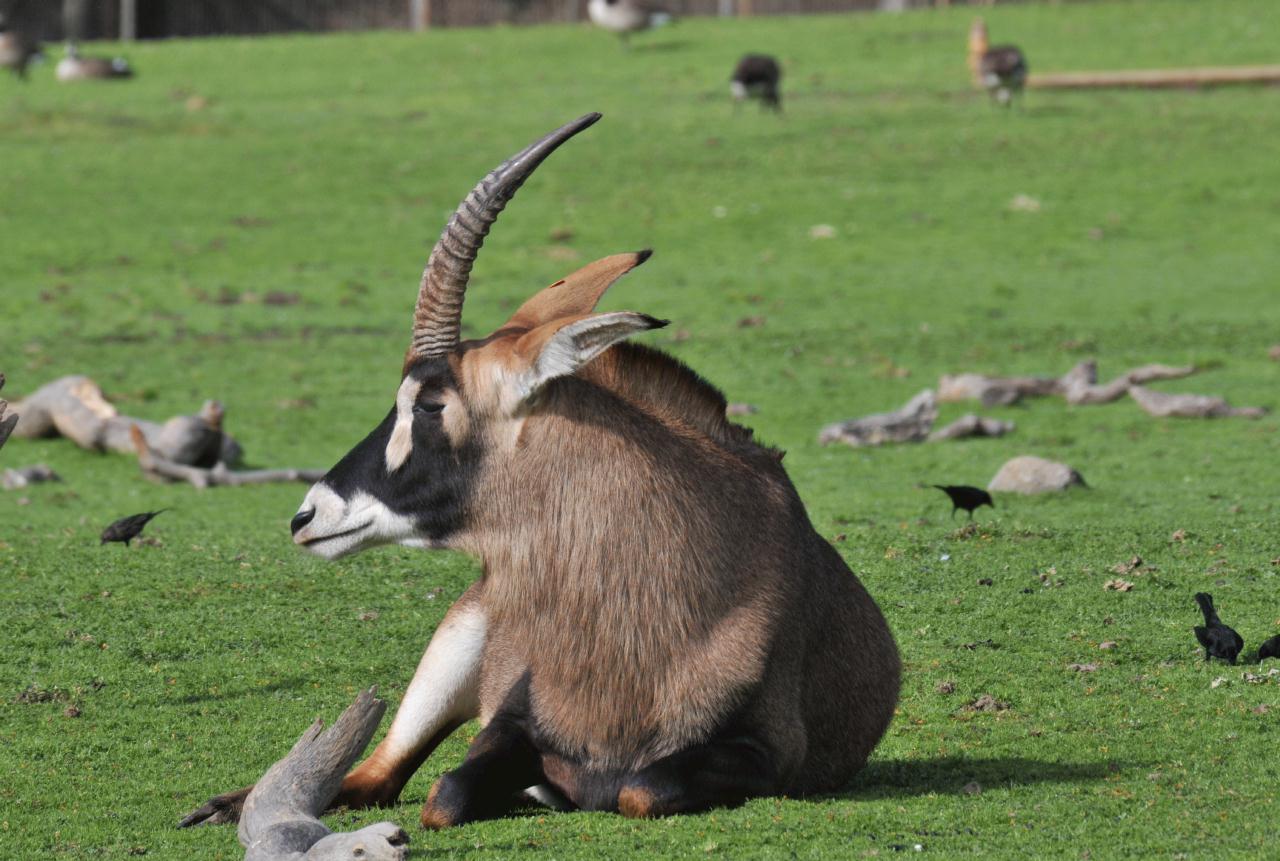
pixel 757 76
pixel 625 17
pixel 74 67
pixel 16 50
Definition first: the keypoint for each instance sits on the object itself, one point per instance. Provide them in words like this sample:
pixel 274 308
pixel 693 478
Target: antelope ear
pixel 576 294
pixel 560 348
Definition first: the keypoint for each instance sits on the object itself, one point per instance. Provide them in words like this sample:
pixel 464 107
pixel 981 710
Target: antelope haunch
pixel 658 628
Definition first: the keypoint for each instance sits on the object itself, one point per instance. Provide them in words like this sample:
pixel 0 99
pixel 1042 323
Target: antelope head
pixel 460 406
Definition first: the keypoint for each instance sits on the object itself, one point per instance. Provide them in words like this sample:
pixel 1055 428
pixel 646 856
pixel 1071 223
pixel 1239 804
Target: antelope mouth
pixel 331 536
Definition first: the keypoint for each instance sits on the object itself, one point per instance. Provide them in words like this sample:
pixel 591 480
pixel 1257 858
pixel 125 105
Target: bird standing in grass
pixel 16 50
pixel 1002 69
pixel 1219 641
pixel 128 528
pixel 968 498
pixel 1270 649
pixel 757 76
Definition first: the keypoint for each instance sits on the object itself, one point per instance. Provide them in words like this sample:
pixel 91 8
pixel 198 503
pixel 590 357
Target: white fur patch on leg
pixel 445 687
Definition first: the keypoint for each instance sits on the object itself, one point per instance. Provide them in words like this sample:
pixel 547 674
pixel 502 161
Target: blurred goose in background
pixel 625 17
pixel 74 67
pixel 1002 69
pixel 16 49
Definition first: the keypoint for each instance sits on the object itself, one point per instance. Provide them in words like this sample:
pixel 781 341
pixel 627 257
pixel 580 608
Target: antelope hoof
pixel 446 805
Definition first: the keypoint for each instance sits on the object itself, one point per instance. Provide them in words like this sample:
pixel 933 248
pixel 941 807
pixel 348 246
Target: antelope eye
pixel 427 409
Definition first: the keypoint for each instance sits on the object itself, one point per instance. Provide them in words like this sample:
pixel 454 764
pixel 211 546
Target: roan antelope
pixel 658 628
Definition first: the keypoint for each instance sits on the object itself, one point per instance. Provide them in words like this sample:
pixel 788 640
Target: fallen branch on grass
pixel 1162 405
pixel 74 407
pixel 912 423
pixel 280 819
pixel 156 467
pixel 1078 386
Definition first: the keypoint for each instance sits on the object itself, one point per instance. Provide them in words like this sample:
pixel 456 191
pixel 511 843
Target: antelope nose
pixel 301 519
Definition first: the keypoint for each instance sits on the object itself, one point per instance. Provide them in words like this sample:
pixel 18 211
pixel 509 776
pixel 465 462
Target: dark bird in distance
pixel 1270 649
pixel 128 528
pixel 1002 69
pixel 968 498
pixel 756 77
pixel 1218 640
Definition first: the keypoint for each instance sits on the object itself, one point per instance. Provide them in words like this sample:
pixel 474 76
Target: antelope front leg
pixel 443 694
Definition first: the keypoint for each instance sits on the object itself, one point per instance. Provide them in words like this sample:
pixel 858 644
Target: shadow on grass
pixel 949 774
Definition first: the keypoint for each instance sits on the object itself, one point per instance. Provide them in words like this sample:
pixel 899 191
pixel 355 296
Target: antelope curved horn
pixel 438 315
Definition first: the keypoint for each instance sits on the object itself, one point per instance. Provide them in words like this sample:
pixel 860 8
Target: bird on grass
pixel 1001 69
pixel 16 50
pixel 625 17
pixel 1219 641
pixel 968 498
pixel 128 528
pixel 1270 649
pixel 757 76
pixel 76 67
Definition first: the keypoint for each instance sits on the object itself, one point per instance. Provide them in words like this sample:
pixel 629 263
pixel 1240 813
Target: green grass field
pixel 142 224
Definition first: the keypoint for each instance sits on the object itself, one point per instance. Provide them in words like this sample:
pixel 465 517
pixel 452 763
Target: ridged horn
pixel 437 318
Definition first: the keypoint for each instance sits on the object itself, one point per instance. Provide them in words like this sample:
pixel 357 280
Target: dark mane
pixel 664 386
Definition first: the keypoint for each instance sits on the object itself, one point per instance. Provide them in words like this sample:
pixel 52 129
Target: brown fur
pixel 655 571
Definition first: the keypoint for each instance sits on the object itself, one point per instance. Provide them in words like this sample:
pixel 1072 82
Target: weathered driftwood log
pixel 75 407
pixel 1078 386
pixel 280 820
pixel 161 469
pixel 993 391
pixel 971 425
pixel 1162 405
pixel 912 423
pixel 7 421
pixel 1029 474
pixel 24 476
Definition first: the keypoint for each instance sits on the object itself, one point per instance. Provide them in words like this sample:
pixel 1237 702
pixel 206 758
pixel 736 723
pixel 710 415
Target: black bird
pixel 1270 649
pixel 757 76
pixel 1218 640
pixel 968 498
pixel 128 528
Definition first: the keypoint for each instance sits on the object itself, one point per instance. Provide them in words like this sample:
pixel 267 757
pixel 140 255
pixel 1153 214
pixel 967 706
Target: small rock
pixel 1218 682
pixel 947 687
pixel 1107 645
pixel 1118 585
pixel 972 788
pixel 1029 474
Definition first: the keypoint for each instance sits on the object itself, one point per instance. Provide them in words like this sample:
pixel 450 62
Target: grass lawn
pixel 143 224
